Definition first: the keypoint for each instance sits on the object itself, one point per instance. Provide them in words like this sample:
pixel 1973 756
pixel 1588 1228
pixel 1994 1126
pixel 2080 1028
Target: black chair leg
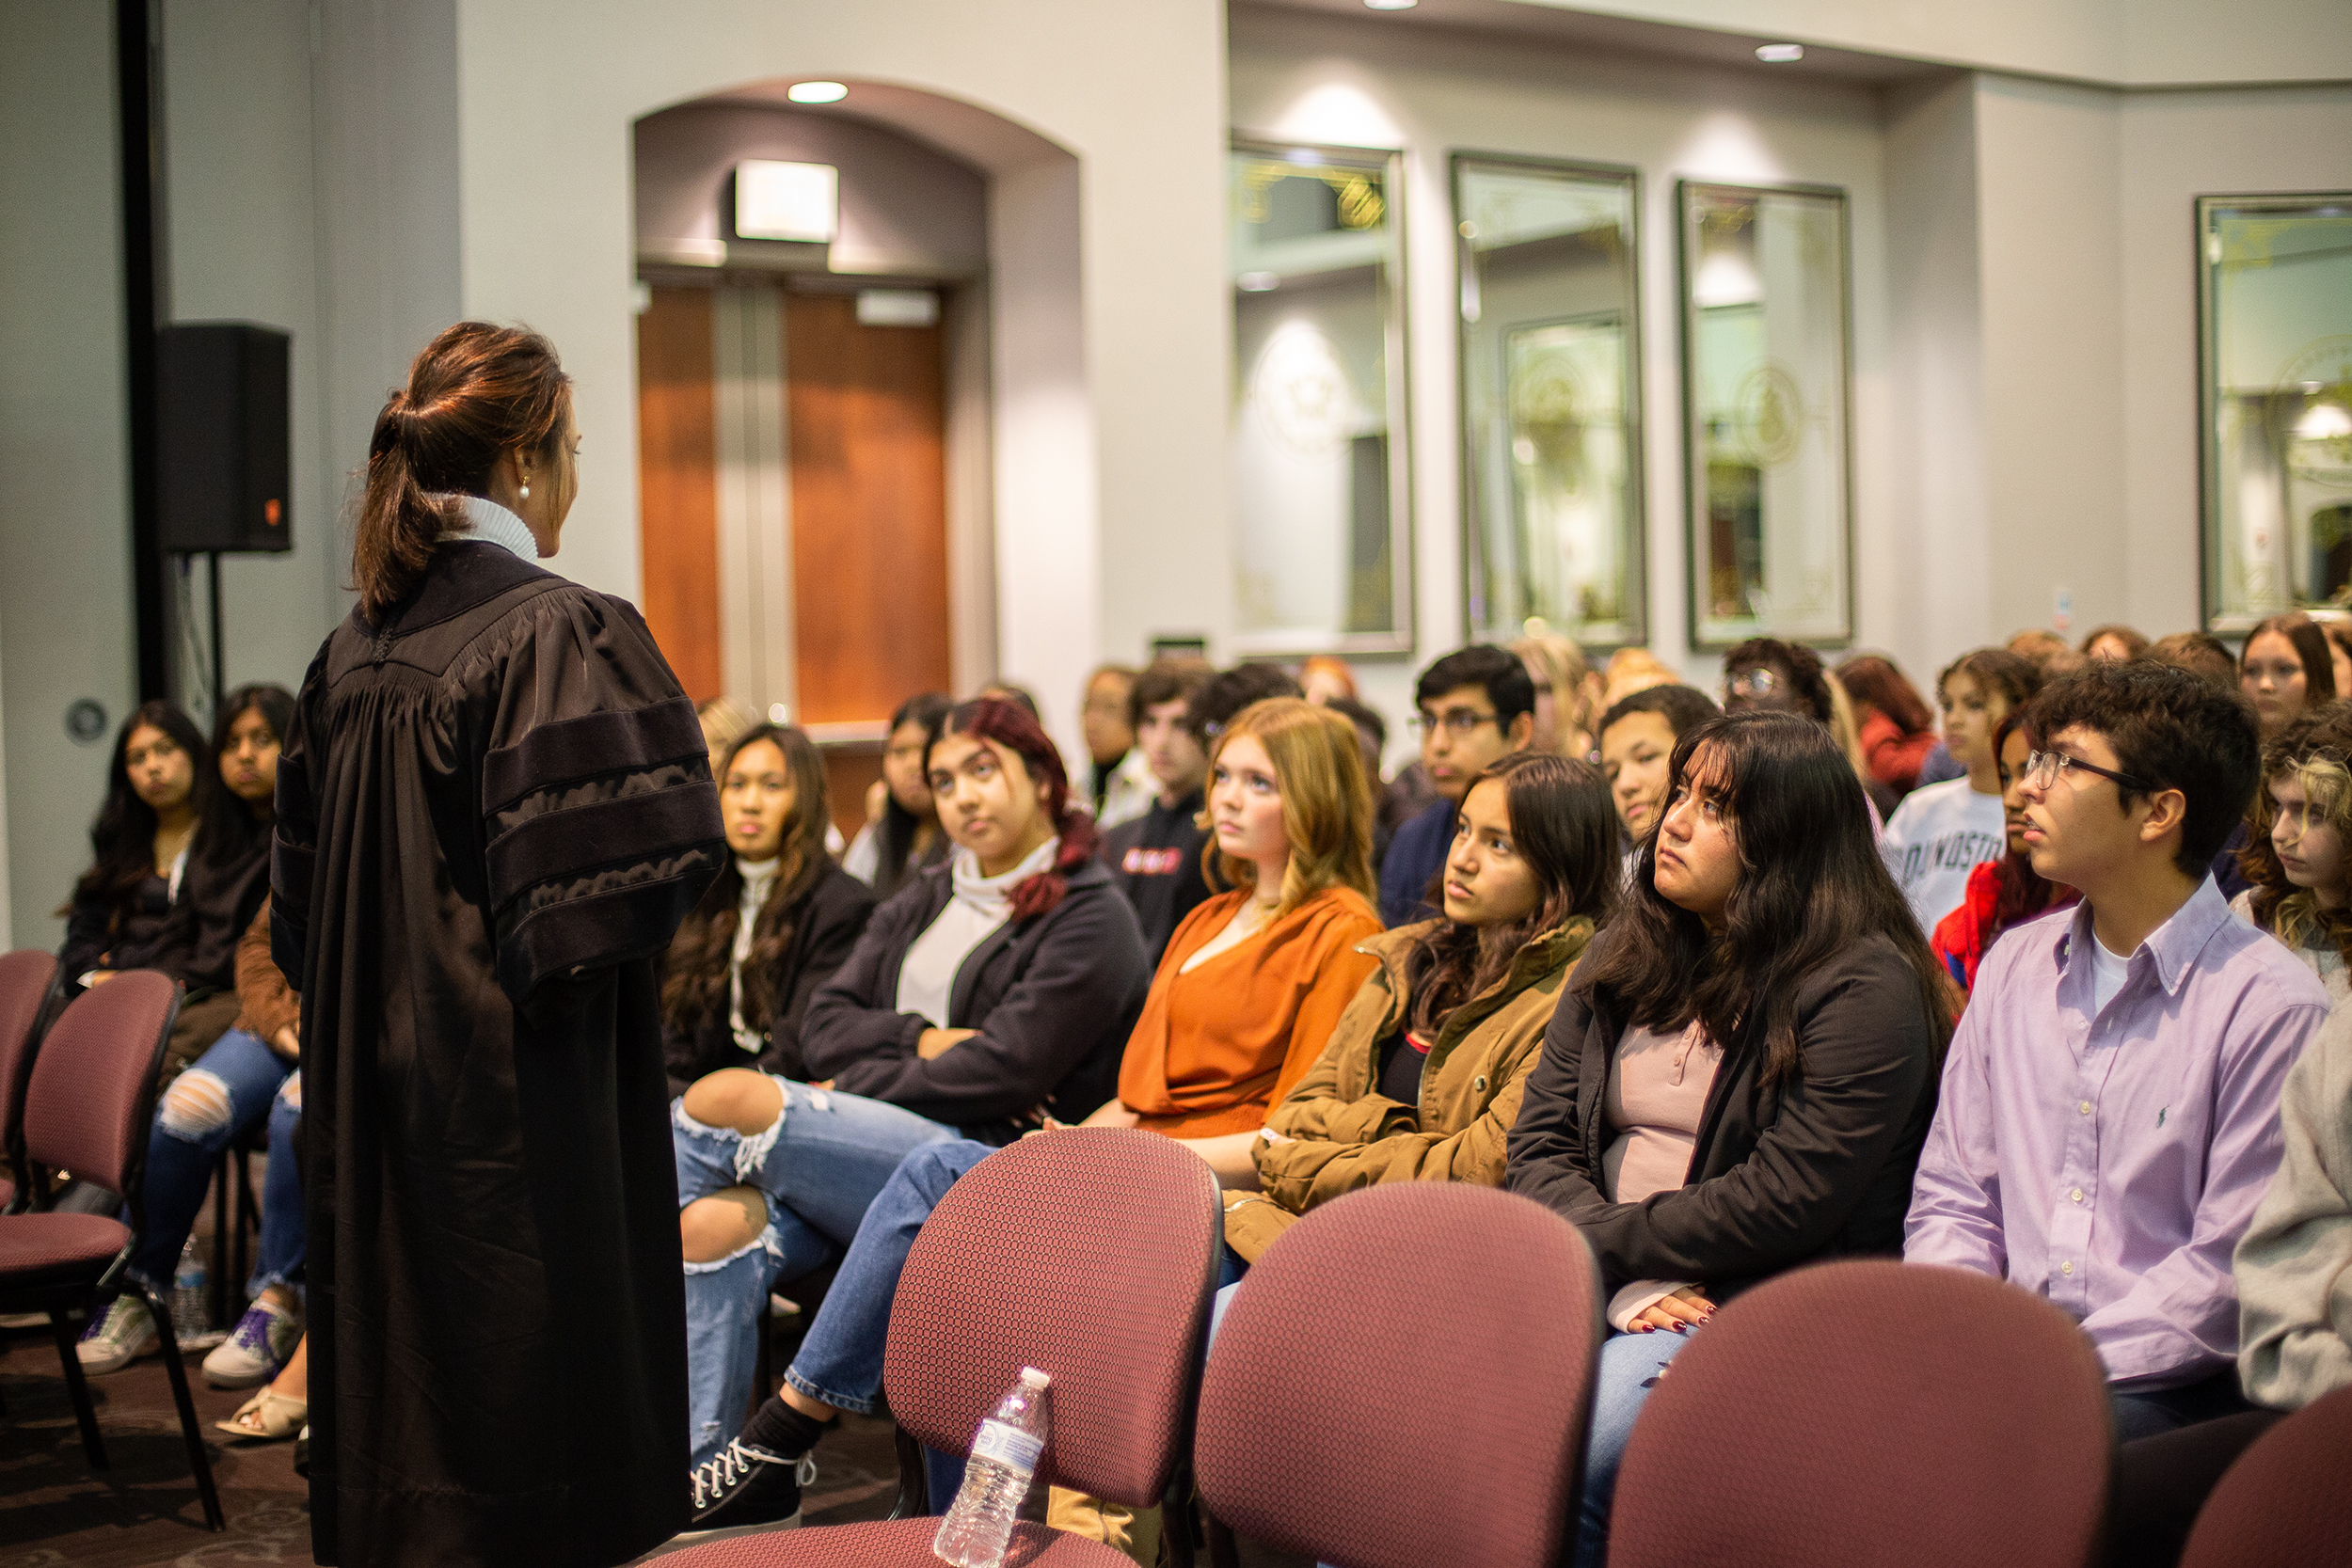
pixel 199 1460
pixel 244 1226
pixel 216 1298
pixel 914 1498
pixel 1222 1552
pixel 75 1386
pixel 1176 1526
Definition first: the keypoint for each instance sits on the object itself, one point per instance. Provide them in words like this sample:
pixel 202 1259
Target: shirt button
pixel 2067 1267
pixel 2076 1195
pixel 2084 1107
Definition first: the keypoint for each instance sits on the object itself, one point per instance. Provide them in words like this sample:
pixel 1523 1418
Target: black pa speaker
pixel 224 454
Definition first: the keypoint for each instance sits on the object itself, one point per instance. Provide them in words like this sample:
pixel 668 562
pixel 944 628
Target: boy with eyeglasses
pixel 1475 706
pixel 2111 1104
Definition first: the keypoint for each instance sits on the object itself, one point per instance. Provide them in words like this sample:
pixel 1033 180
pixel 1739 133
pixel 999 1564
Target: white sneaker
pixel 255 1349
pixel 118 1338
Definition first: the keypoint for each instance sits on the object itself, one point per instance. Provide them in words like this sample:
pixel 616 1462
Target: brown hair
pixel 695 974
pixel 2199 653
pixel 476 393
pixel 2314 747
pixel 2311 649
pixel 2135 641
pixel 2015 678
pixel 1872 678
pixel 1326 806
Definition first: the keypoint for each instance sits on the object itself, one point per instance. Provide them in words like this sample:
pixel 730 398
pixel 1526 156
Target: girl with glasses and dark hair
pixel 1739 1077
pixel 2299 860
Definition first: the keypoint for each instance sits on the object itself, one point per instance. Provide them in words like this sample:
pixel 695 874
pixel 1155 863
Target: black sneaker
pixel 746 1488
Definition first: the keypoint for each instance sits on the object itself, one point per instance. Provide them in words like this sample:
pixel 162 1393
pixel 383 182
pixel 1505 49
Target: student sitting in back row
pixel 1475 704
pixel 2110 1109
pixel 2296 861
pixel 1155 858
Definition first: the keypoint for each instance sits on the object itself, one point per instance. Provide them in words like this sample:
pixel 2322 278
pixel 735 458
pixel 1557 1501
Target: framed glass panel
pixel 1551 440
pixel 1766 373
pixel 2274 361
pixel 1323 544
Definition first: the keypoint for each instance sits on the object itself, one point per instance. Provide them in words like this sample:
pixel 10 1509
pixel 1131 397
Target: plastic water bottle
pixel 1004 1461
pixel 191 1313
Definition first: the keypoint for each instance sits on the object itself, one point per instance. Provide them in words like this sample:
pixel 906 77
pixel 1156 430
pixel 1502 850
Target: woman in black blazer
pixel 1741 1073
pixel 736 982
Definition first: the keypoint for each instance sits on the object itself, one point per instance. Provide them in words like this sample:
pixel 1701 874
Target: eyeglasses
pixel 1752 683
pixel 2043 769
pixel 1459 722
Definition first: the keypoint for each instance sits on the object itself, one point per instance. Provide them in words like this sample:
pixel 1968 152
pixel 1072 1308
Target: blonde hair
pixel 1570 674
pixel 2314 749
pixel 724 721
pixel 1632 669
pixel 1842 727
pixel 1326 805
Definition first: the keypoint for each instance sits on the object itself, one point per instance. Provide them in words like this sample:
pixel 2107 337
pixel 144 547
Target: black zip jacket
pixel 825 929
pixel 1817 1166
pixel 1053 999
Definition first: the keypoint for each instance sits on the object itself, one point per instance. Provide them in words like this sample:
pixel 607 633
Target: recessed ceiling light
pixel 1391 5
pixel 1257 282
pixel 1779 54
pixel 817 92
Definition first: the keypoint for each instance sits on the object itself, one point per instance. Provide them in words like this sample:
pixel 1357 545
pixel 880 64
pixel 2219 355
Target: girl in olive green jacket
pixel 1421 1079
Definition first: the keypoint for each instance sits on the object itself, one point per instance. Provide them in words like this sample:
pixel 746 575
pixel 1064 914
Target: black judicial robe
pixel 493 812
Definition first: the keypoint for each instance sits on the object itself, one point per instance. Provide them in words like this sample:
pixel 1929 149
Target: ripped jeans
pixel 234 1085
pixel 819 1165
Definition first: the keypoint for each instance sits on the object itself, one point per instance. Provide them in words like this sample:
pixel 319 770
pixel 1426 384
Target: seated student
pixel 228 873
pixel 1155 858
pixel 1766 674
pixel 249 1074
pixel 1739 1078
pixel 2001 892
pixel 1637 741
pixel 2115 642
pixel 2299 874
pixel 738 976
pixel 1476 704
pixel 1119 786
pixel 990 994
pixel 1567 695
pixel 2199 653
pixel 1243 1002
pixel 1943 831
pixel 2109 1112
pixel 902 835
pixel 1894 726
pixel 2285 668
pixel 1423 1076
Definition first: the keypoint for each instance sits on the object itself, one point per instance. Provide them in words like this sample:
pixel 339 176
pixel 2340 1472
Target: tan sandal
pixel 269 1416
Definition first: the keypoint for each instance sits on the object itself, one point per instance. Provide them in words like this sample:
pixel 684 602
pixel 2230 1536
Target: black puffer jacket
pixel 1053 999
pixel 1818 1165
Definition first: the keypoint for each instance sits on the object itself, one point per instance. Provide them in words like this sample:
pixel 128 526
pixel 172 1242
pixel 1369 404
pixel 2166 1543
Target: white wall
pixel 65 575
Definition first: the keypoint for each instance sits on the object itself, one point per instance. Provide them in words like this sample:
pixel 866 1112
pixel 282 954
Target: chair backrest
pixel 1402 1381
pixel 93 1085
pixel 1090 1254
pixel 1872 1413
pixel 2287 1499
pixel 25 977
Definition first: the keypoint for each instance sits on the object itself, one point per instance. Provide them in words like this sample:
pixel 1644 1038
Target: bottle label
pixel 1009 1446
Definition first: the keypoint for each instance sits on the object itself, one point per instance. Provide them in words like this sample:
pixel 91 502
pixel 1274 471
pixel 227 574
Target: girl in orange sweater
pixel 1254 979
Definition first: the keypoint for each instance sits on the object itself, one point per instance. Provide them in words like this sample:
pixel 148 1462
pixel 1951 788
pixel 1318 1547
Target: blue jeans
pixel 1630 1366
pixel 820 1166
pixel 234 1085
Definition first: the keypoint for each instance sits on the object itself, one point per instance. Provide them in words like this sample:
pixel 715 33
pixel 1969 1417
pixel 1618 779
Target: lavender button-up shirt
pixel 2110 1163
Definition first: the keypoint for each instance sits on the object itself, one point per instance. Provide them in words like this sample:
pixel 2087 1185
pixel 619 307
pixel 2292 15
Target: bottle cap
pixel 1032 1378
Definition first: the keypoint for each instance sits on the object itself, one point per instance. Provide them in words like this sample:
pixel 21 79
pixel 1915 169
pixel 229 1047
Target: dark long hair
pixel 694 985
pixel 2024 892
pixel 476 393
pixel 275 705
pixel 1564 826
pixel 2316 747
pixel 1014 728
pixel 1811 887
pixel 895 839
pixel 122 840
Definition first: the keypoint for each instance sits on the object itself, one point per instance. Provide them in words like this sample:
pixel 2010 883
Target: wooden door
pixel 866 417
pixel 678 484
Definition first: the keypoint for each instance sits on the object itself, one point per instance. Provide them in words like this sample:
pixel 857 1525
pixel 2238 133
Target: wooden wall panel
pixel 678 486
pixel 866 423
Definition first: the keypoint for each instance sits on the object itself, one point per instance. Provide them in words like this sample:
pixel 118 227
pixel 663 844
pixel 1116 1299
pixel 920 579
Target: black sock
pixel 778 1428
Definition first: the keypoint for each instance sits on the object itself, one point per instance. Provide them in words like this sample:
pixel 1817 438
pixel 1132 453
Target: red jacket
pixel 1894 756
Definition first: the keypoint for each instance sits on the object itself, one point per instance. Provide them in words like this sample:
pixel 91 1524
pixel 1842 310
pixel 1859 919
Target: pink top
pixel 1653 1105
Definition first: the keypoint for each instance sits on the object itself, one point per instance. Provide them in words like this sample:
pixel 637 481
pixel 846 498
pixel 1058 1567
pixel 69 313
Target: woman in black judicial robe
pixel 495 806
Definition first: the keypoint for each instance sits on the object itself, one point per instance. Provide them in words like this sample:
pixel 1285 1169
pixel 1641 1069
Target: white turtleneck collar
pixel 489 522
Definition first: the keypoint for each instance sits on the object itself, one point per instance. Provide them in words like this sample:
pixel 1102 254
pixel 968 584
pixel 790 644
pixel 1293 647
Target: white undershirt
pixel 927 977
pixel 758 879
pixel 2107 973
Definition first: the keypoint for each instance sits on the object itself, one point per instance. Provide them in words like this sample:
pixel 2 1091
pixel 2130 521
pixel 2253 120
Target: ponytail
pixel 476 392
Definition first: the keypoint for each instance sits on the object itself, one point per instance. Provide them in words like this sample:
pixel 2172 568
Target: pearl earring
pixel 526 489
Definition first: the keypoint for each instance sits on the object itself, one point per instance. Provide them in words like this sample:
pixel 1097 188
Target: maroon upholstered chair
pixel 1403 1381
pixel 1090 1253
pixel 87 1111
pixel 1872 1413
pixel 2287 1499
pixel 26 978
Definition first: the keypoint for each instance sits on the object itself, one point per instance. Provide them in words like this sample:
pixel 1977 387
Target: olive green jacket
pixel 1342 1135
